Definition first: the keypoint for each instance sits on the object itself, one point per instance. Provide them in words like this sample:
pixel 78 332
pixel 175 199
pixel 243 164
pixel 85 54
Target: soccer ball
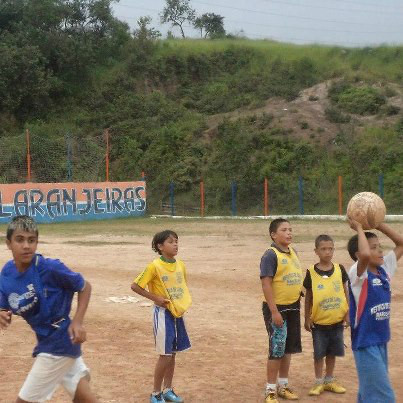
pixel 367 208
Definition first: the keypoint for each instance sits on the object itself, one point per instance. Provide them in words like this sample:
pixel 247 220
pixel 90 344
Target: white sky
pixel 333 22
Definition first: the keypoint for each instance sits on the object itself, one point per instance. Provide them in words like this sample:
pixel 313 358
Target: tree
pixel 144 32
pixel 177 12
pixel 212 24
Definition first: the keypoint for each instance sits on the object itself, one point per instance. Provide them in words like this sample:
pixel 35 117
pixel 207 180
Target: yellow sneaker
pixel 317 389
pixel 334 387
pixel 286 393
pixel 271 397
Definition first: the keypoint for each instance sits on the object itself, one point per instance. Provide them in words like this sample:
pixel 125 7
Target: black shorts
pixel 328 340
pixel 292 328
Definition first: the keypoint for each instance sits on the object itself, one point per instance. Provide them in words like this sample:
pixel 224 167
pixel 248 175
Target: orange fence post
pixel 28 156
pixel 266 197
pixel 202 198
pixel 340 189
pixel 107 154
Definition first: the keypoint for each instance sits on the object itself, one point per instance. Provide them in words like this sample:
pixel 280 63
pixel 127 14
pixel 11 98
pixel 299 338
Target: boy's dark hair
pixel 324 238
pixel 161 237
pixel 21 222
pixel 275 224
pixel 352 245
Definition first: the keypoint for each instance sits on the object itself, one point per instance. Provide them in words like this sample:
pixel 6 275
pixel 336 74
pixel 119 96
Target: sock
pixel 271 387
pixel 319 381
pixel 165 390
pixel 283 381
pixel 328 379
pixel 156 393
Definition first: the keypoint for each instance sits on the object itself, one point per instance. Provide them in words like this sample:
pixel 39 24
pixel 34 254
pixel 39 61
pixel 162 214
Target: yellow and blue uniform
pixel 168 280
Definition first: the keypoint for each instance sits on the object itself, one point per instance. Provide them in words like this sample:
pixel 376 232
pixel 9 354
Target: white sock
pixel 328 379
pixel 165 390
pixel 271 387
pixel 156 393
pixel 319 381
pixel 283 381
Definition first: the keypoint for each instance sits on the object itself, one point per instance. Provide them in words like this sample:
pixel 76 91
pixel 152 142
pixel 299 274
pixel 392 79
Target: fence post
pixel 172 198
pixel 381 189
pixel 266 197
pixel 301 195
pixel 233 198
pixel 106 132
pixel 202 198
pixel 340 192
pixel 69 157
pixel 28 156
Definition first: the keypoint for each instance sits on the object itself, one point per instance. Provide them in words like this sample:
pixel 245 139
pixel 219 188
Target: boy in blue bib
pixel 41 291
pixel 370 297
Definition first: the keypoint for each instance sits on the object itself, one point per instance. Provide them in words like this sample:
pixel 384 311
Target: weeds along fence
pixel 38 158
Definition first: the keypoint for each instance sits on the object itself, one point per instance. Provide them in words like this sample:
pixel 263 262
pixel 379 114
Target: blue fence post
pixel 172 197
pixel 301 195
pixel 233 198
pixel 381 190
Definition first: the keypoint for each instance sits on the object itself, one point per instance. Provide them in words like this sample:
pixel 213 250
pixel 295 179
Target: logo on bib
pixel 336 286
pixel 321 287
pixel 284 261
pixel 165 278
pixel 376 281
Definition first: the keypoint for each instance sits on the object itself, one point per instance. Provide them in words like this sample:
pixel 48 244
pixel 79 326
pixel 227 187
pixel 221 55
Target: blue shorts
pixel 373 377
pixel 170 333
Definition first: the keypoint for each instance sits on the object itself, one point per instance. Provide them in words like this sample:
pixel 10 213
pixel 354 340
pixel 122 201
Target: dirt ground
pixel 229 341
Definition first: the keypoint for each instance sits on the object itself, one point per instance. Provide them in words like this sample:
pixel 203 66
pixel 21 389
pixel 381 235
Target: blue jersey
pixel 42 295
pixel 370 317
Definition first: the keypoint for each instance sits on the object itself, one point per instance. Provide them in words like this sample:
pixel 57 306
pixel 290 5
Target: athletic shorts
pixel 327 340
pixel 290 332
pixel 170 333
pixel 48 372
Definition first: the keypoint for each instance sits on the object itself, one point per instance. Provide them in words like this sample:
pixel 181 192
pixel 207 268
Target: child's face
pixel 325 251
pixel 376 252
pixel 283 234
pixel 23 246
pixel 169 248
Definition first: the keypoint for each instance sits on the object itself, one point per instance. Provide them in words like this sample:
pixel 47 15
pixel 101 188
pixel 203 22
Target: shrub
pixel 334 115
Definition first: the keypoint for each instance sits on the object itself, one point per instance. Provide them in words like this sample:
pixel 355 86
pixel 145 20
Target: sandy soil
pixel 228 358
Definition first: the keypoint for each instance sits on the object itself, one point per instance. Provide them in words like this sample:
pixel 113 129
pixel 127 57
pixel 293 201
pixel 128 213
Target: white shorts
pixel 48 372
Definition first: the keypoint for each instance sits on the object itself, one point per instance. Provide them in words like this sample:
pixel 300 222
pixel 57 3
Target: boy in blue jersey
pixel 41 292
pixel 370 297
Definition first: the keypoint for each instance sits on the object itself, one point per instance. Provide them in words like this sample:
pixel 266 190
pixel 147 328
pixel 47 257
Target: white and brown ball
pixel 367 208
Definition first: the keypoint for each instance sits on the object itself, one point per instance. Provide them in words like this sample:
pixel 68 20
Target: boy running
pixel 326 313
pixel 166 281
pixel 41 292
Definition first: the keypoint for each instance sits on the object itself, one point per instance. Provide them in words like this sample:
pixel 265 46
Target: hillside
pixel 217 110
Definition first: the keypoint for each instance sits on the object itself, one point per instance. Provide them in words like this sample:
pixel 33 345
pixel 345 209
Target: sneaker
pixel 334 387
pixel 286 393
pixel 157 398
pixel 171 396
pixel 317 389
pixel 271 397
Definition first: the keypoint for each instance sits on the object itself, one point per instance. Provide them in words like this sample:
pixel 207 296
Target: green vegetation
pixel 78 71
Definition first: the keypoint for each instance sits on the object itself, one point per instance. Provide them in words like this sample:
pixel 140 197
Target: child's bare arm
pixel 5 318
pixel 269 297
pixel 160 301
pixel 363 247
pixel 347 316
pixel 308 309
pixel 394 236
pixel 76 329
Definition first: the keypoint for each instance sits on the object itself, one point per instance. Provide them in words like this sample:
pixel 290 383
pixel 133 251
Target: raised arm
pixel 394 236
pixel 363 247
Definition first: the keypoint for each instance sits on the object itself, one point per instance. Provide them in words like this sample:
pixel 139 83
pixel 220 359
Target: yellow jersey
pixel 287 282
pixel 329 304
pixel 168 280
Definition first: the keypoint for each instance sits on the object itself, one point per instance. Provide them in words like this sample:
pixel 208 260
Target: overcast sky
pixel 334 22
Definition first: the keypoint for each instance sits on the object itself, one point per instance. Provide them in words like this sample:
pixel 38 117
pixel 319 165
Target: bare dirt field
pixel 229 341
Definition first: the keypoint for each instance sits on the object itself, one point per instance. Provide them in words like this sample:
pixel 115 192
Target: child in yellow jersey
pixel 166 281
pixel 281 277
pixel 326 313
